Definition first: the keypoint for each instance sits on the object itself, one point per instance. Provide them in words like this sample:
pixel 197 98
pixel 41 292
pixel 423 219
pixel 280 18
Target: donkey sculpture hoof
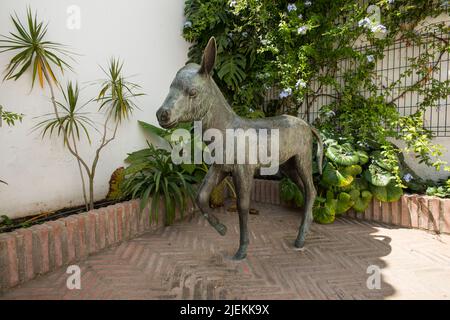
pixel 299 243
pixel 239 256
pixel 221 229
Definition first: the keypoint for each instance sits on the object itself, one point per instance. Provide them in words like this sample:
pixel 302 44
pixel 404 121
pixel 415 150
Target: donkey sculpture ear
pixel 209 57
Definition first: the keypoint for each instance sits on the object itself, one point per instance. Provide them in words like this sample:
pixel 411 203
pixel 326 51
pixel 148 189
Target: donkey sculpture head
pixel 194 96
pixel 188 96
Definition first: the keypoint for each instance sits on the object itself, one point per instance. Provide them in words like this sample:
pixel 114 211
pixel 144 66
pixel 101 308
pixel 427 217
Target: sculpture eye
pixel 193 93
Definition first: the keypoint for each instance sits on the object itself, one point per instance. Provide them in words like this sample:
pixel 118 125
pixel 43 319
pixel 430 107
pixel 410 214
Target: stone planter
pixel 27 253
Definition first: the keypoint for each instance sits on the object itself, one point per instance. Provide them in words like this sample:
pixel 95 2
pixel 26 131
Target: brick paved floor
pixel 191 261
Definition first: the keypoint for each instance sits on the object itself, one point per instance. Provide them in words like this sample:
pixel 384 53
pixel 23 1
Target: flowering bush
pixel 296 47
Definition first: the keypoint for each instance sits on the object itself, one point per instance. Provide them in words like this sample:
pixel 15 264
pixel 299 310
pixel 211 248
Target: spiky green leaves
pixel 117 94
pixel 71 121
pixel 153 178
pixel 33 51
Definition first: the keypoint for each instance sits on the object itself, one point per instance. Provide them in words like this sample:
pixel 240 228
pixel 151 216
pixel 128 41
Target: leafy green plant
pixel 351 178
pixel 290 192
pixel 9 117
pixel 441 189
pixel 152 177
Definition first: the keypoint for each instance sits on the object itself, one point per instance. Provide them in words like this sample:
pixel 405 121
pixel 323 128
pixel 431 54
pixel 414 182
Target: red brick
pixel 264 189
pixel 351 213
pixel 26 254
pixel 405 220
pixel 140 214
pixel 57 243
pixel 100 229
pixel 273 192
pixel 413 205
pixel 110 225
pixel 385 212
pixel 276 195
pixel 434 214
pixel 82 251
pixel 376 210
pixel 90 232
pixel 257 191
pixel 41 260
pixel 367 215
pixel 253 193
pixel 126 222
pixel 134 220
pixel 423 212
pixel 396 213
pixel 119 220
pixel 445 217
pixel 9 269
pixel 72 238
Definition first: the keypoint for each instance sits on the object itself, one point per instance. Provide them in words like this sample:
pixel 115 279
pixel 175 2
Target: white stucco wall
pixel 41 174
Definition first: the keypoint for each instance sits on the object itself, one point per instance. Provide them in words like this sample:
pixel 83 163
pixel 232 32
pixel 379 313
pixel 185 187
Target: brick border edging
pixel 411 211
pixel 27 253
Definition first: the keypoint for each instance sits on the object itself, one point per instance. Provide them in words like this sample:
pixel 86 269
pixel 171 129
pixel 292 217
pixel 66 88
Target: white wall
pixel 42 175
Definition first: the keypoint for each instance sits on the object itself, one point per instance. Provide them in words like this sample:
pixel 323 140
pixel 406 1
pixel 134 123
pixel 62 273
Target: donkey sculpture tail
pixel 319 148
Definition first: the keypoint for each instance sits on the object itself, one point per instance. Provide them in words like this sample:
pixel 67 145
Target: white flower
pixel 244 34
pixel 187 24
pixel 390 1
pixel 300 16
pixel 408 177
pixel 379 28
pixel 233 3
pixel 291 7
pixel 370 58
pixel 300 84
pixel 302 30
pixel 364 22
pixel 285 93
pixel 308 3
pixel 251 110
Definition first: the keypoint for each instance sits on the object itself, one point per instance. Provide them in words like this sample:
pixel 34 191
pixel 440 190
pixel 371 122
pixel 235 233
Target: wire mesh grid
pixel 392 78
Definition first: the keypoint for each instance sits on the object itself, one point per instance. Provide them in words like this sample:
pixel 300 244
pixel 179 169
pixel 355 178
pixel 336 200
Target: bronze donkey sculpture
pixel 194 96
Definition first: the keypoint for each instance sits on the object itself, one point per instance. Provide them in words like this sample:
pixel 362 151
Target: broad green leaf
pixel 389 193
pixel 378 176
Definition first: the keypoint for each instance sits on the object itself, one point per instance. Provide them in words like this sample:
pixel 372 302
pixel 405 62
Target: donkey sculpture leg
pixel 214 176
pixel 243 180
pixel 304 169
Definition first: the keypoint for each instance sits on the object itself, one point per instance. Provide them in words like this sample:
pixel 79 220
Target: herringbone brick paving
pixel 191 261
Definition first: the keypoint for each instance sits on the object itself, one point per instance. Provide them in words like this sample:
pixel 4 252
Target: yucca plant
pixel 115 97
pixel 34 51
pixel 117 93
pixel 152 177
pixel 71 123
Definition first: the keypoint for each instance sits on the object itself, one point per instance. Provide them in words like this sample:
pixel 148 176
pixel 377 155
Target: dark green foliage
pixel 290 192
pixel 152 177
